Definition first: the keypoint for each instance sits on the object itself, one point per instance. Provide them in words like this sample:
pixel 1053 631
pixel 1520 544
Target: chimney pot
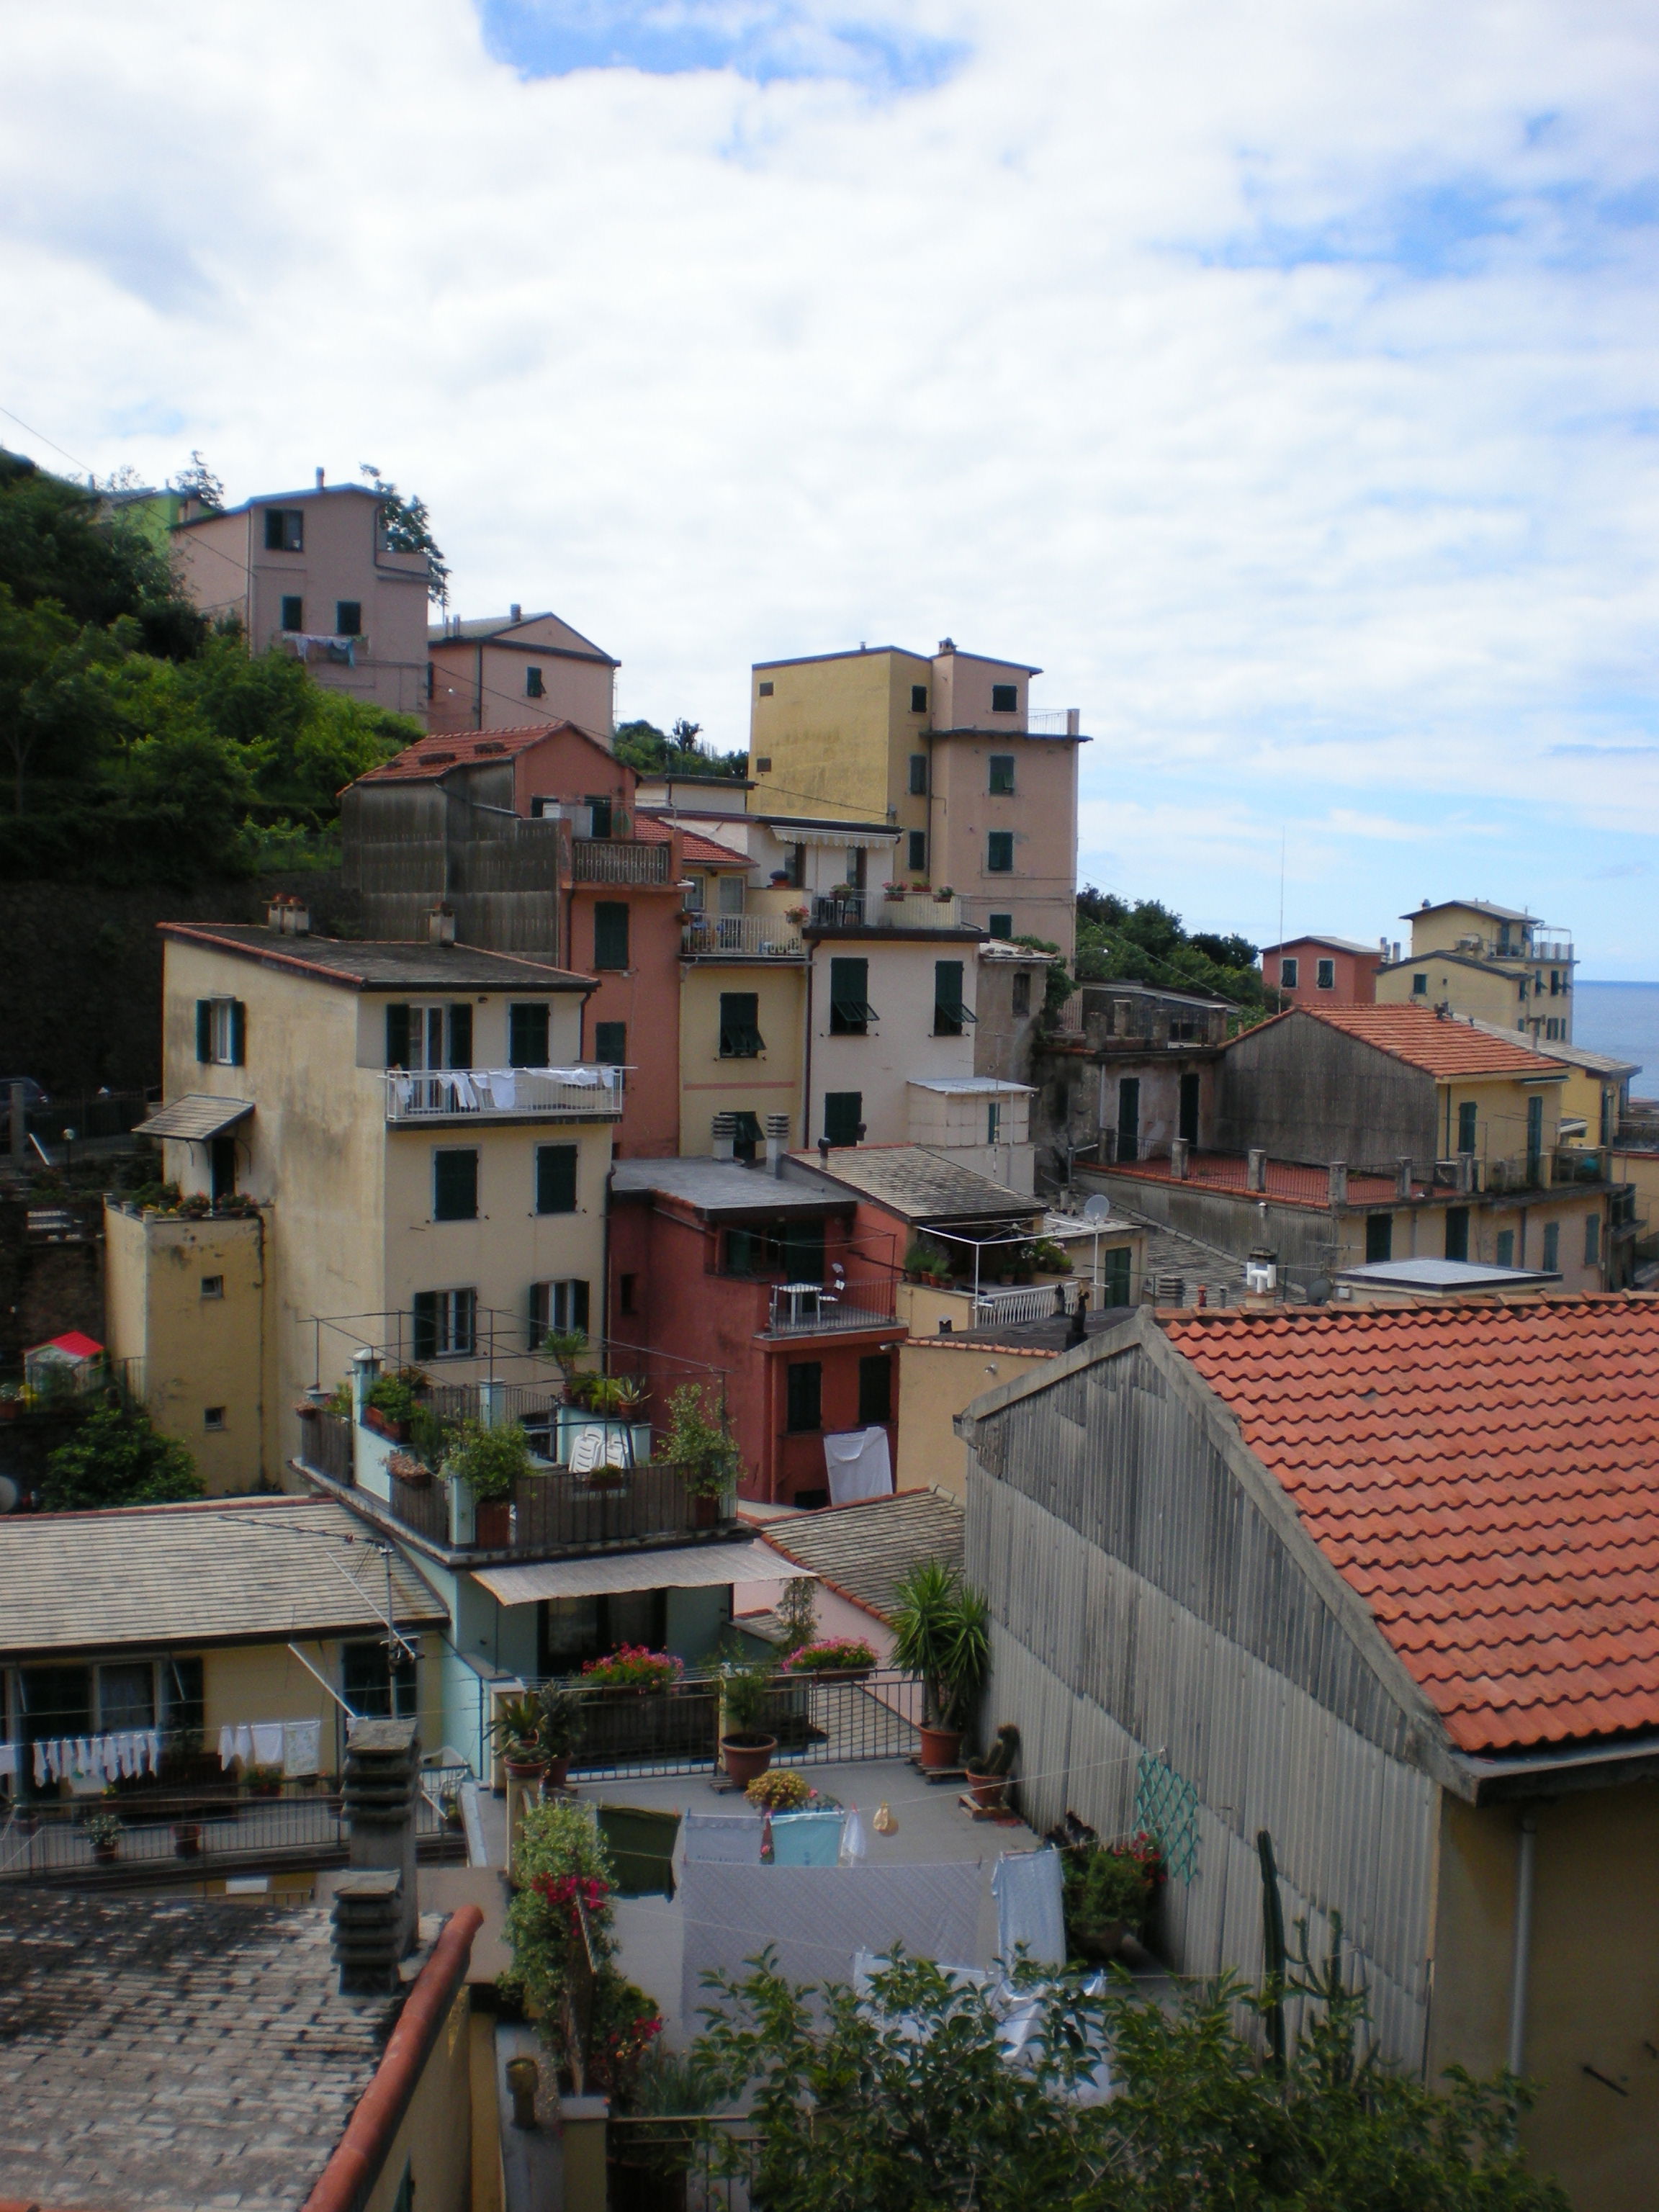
pixel 515 612
pixel 725 1132
pixel 777 1141
pixel 320 479
pixel 441 924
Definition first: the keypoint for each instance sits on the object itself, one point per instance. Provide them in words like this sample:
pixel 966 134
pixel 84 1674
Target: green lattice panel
pixel 1166 1806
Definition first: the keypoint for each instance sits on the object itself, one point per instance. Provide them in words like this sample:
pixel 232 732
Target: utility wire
pixel 45 440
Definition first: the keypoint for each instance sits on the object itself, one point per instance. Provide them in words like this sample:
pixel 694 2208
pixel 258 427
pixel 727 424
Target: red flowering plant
pixel 633 1667
pixel 830 1655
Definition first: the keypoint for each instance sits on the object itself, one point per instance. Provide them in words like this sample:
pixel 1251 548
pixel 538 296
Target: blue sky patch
pixel 764 41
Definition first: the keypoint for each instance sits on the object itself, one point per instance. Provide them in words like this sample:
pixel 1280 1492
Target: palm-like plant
pixel 942 1632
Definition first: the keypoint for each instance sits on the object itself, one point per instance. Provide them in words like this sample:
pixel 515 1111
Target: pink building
pixel 515 670
pixel 1321 971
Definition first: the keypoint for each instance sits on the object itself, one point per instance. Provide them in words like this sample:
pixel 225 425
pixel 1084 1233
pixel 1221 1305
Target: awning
pixel 686 1566
pixel 196 1117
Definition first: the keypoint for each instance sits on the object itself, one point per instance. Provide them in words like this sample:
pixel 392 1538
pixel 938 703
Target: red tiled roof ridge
pixel 426 754
pixel 1445 1044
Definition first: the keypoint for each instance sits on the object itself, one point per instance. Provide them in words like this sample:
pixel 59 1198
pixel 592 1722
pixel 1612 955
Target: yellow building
pixel 1485 963
pixel 426 1151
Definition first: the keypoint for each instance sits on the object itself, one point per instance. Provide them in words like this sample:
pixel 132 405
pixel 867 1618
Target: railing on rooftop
pixel 617 861
pixel 808 1309
pixel 587 1093
pixel 750 936
pixel 874 909
pixel 1055 722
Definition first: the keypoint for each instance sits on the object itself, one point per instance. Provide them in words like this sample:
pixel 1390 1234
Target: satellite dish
pixel 9 1494
pixel 1097 1208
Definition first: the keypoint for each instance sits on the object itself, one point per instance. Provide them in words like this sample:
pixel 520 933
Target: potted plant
pixel 635 1667
pixel 104 1832
pixel 941 1632
pixel 391 1401
pixel 404 1466
pixel 988 1777
pixel 492 1462
pixel 187 1839
pixel 564 1347
pixel 942 893
pixel 746 1696
pixel 798 915
pixel 699 1443
pixel 562 1717
pixel 848 1657
pixel 1108 1890
pixel 264 1781
pixel 786 1790
pixel 517 1728
pixel 892 891
pixel 1049 1257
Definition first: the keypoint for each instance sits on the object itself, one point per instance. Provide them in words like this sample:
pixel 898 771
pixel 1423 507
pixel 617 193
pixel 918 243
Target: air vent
pixel 489 748
pixel 439 760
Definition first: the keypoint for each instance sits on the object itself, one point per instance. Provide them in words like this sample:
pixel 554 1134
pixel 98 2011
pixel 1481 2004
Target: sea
pixel 1623 1019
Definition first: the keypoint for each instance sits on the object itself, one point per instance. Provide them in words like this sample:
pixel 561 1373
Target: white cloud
pixel 1279 377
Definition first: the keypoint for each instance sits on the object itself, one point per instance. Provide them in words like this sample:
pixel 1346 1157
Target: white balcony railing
pixel 751 936
pixel 585 1093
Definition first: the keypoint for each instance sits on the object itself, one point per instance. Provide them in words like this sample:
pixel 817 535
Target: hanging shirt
pixel 1027 1888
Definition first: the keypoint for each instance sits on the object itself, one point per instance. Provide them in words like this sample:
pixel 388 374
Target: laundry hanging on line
pixel 117 1757
pixel 293 1746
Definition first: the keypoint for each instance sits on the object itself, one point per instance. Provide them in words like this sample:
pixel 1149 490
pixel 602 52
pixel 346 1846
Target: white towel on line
pixel 267 1737
pixel 301 1741
pixel 1028 1891
pixel 9 1761
pixel 227 1746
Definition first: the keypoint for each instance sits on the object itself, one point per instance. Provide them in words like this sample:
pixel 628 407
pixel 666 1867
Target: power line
pixel 45 440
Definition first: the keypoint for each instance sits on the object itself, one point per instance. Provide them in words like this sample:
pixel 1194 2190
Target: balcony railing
pixel 807 1309
pixel 585 1093
pixel 741 936
pixel 617 861
pixel 873 909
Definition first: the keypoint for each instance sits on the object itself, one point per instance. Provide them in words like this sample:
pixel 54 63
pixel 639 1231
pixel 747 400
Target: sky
pixel 1281 377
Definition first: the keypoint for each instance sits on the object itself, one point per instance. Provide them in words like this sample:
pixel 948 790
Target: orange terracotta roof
pixel 1422 1039
pixel 692 846
pixel 1484 1477
pixel 431 756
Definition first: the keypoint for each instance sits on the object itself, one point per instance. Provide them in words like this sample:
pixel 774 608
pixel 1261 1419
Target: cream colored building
pixel 427 1152
pixel 1486 963
pixel 515 671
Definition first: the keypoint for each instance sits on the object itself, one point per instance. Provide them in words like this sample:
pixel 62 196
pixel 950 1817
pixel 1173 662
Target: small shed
pixel 70 1362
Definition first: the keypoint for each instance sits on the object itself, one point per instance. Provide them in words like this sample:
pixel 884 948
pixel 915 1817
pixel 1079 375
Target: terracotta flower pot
pixel 557 1774
pixel 104 1853
pixel 747 1758
pixel 524 1770
pixel 940 1747
pixel 988 1789
pixel 396 1432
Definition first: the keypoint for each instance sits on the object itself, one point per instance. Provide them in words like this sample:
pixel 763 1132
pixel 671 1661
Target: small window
pixel 375 1683
pixel 1551 1245
pixel 918 775
pixel 916 853
pixel 556 1178
pixel 628 1294
pixel 740 1037
pixel 293 611
pixel 1379 1236
pixel 843 1116
pixel 875 1388
pixel 805 1395
pixel 213 1286
pixel 1325 975
pixel 1457 1232
pixel 446 1324
pixel 221 1032
pixel 534 686
pixel 763 762
pixel 213 1418
pixel 1468 1126
pixel 562 1306
pixel 1289 970
pixel 610 934
pixel 610 1042
pixel 850 1011
pixel 527 1034
pixel 1002 775
pixel 765 693
pixel 1000 853
pixel 1506 1248
pixel 455 1183
pixel 1005 698
pixel 1023 993
pixel 1592 1240
pixel 1420 987
pixel 285 530
pixel 1001 925
pixel 728 895
pixel 348 617
pixel 918 701
pixel 992 1123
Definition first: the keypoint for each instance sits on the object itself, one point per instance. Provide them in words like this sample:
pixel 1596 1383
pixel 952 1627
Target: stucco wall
pixel 899 1044
pixel 645 996
pixel 769 1084
pixel 434 2142
pixel 1041 813
pixel 1306 1091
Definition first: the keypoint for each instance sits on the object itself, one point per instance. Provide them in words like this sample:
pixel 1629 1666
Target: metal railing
pixel 1039 1303
pixel 554 1511
pixel 1054 722
pixel 753 936
pixel 617 861
pixel 328 1444
pixel 874 909
pixel 588 1093
pixel 803 1310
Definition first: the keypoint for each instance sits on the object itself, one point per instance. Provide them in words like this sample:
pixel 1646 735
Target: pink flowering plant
pixel 633 1667
pixel 830 1655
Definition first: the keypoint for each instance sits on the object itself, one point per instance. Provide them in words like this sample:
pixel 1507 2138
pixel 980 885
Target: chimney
pixel 368 1925
pixel 440 924
pixel 277 914
pixel 320 479
pixel 1402 1178
pixel 1256 1169
pixel 299 918
pixel 1179 1151
pixel 1076 1329
pixel 376 1911
pixel 777 1141
pixel 515 612
pixel 725 1136
pixel 1337 1176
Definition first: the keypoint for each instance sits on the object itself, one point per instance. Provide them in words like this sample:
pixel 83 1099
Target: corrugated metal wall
pixel 1143 1603
pixel 407 846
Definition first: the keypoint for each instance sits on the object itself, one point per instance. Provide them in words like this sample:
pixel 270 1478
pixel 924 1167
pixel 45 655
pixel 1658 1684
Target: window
pixel 213 1418
pixel 562 1306
pixel 875 1389
pixel 694 893
pixel 1555 983
pixel 1534 1137
pixel 1000 853
pixel 1289 971
pixel 918 702
pixel 1001 925
pixel 183 1697
pixel 1551 1245
pixel 729 896
pixel 221 1032
pixel 1023 993
pixel 599 814
pixel 610 1042
pixel 455 1183
pixel 765 691
pixel 1420 987
pixel 446 1324
pixel 1555 1030
pixel 1002 775
pixel 213 1286
pixel 1592 1240
pixel 1114 1267
pixel 375 1683
pixel 1469 1121
pixel 534 685
pixel 1379 1236
pixel 556 1178
pixel 844 1115
pixel 850 1011
pixel 763 762
pixel 794 1253
pixel 1005 698
pixel 918 775
pixel 285 530
pixel 950 1013
pixel 628 1294
pixel 348 617
pixel 126 1694
pixel 1128 1118
pixel 424 1038
pixel 526 1036
pixel 1325 975
pixel 1506 1248
pixel 222 1168
pixel 293 611
pixel 917 852
pixel 806 1399
pixel 1457 1232
pixel 740 1037
pixel 992 1122
pixel 609 933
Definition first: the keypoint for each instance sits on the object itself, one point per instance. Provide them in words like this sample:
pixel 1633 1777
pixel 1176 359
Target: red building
pixel 764 1287
pixel 1321 971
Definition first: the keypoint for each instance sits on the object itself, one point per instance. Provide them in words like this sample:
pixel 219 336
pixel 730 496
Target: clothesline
pixel 117 1757
pixel 292 1745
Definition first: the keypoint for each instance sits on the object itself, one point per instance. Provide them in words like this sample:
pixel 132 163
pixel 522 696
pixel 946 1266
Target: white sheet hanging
pixel 300 1742
pixel 859 1465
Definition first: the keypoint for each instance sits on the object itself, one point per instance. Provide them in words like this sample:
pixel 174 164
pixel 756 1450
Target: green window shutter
pixel 426 1325
pixel 460 1034
pixel 610 1042
pixel 1467 1118
pixel 843 1110
pixel 609 933
pixel 526 1036
pixel 1000 853
pixel 556 1178
pixel 1114 1267
pixel 455 1184
pixel 740 1037
pixel 204 1030
pixel 875 1389
pixel 1002 775
pixel 850 1011
pixel 238 1033
pixel 806 1394
pixel 950 1009
pixel 397 1037
pixel 579 1305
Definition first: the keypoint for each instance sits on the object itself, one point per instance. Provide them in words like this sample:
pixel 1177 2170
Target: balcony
pixel 808 1309
pixel 550 1513
pixel 617 861
pixel 585 1093
pixel 873 909
pixel 741 937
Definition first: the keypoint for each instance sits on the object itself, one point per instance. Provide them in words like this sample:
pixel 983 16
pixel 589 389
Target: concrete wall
pixel 940 1377
pixel 1306 1091
pixel 1003 1040
pixel 1077 1096
pixel 645 997
pixel 771 1083
pixel 899 1044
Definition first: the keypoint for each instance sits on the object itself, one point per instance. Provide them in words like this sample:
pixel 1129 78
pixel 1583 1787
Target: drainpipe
pixel 1525 1867
pixel 806 1083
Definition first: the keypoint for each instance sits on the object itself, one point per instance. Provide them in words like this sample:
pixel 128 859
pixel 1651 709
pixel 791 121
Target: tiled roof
pixel 224 1571
pixel 1575 1055
pixel 1484 1477
pixel 861 1551
pixel 650 829
pixel 429 757
pixel 1422 1039
pixel 392 964
pixel 918 1185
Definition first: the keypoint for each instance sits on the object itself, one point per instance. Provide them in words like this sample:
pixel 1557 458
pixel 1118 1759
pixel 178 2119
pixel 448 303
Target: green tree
pixel 116 1458
pixel 1143 939
pixel 198 482
pixel 408 529
pixel 675 752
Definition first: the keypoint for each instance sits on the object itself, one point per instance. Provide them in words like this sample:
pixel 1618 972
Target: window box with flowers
pixel 847 1657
